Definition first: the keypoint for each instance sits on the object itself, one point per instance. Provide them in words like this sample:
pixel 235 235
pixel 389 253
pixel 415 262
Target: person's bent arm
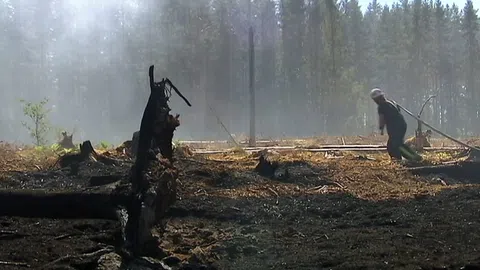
pixel 381 123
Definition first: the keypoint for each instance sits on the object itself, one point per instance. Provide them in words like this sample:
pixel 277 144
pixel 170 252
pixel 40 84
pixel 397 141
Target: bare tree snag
pixel 154 192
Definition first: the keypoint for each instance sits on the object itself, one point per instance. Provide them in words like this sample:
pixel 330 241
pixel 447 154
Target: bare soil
pixel 343 211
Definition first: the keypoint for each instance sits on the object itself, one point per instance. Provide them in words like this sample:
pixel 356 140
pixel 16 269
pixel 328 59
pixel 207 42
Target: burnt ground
pixel 345 212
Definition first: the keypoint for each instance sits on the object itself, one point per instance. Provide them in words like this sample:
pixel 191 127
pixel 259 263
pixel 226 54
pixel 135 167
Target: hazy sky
pixel 460 3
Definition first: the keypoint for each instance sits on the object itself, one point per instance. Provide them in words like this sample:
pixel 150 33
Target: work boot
pixel 395 159
pixel 410 154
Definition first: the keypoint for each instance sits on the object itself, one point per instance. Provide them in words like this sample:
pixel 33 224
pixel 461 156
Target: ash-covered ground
pixel 347 211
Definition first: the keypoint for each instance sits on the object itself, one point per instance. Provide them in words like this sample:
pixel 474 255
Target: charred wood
pixel 66 205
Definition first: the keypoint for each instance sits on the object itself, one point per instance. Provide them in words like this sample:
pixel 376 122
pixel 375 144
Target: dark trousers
pixel 396 135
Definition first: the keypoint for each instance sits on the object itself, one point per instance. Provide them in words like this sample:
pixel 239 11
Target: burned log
pixel 101 180
pixel 66 205
pixel 461 169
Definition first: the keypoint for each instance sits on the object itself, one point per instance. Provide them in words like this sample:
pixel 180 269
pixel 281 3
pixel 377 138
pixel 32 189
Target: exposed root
pixel 69 259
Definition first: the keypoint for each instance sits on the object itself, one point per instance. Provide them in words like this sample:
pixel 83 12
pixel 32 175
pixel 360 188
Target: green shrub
pixel 39 126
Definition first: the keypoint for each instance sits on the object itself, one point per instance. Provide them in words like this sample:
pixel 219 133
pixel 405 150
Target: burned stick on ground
pixel 19 264
pixel 89 257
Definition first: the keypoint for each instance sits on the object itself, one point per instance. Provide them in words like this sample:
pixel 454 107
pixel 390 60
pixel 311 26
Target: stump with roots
pixel 66 141
pixel 269 165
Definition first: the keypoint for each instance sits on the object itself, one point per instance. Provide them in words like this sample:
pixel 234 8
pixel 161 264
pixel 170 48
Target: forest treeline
pixel 315 63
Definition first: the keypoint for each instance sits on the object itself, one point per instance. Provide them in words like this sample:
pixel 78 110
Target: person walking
pixel 391 118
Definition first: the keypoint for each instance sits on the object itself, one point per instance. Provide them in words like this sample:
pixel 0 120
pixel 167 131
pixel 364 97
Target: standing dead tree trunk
pixel 154 192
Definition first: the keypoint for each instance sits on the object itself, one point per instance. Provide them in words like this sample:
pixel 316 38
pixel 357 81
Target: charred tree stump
pixel 154 192
pixel 86 152
pixel 66 141
pixel 269 166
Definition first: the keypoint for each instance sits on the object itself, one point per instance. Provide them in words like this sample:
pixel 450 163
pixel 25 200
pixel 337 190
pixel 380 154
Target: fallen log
pixel 318 150
pixel 64 205
pixel 462 169
pixel 101 180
